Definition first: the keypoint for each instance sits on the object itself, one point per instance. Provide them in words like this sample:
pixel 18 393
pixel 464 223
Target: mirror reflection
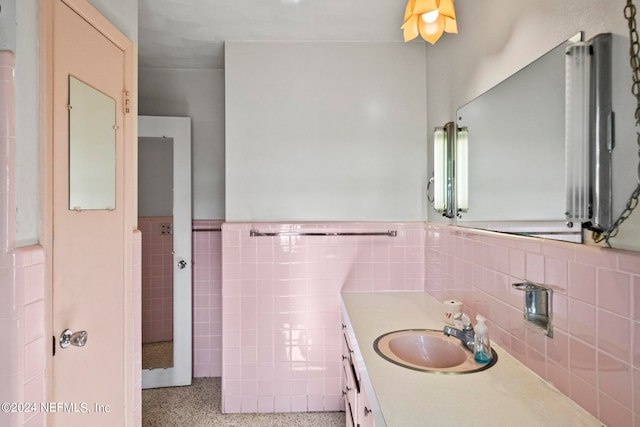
pixel 92 148
pixel 516 176
pixel 155 220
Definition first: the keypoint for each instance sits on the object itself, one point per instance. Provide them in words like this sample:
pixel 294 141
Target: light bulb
pixel 430 17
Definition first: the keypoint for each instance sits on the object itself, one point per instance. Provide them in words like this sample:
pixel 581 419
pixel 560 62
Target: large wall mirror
pixel 517 152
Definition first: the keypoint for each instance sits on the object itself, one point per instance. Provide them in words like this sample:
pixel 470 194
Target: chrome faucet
pixel 465 334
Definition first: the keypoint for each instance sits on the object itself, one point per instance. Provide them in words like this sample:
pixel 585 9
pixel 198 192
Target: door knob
pixel 67 338
pixel 182 264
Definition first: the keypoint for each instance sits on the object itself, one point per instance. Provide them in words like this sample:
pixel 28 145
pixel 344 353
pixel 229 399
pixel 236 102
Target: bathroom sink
pixel 428 350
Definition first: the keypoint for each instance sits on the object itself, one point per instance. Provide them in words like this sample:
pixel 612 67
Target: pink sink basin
pixel 428 350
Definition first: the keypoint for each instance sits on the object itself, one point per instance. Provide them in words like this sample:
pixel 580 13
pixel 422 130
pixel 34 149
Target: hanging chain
pixel 634 57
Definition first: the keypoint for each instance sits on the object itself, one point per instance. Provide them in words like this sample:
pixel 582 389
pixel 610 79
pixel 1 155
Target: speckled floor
pixel 199 405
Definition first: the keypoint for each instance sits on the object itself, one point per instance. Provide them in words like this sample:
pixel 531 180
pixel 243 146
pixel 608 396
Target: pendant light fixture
pixel 429 19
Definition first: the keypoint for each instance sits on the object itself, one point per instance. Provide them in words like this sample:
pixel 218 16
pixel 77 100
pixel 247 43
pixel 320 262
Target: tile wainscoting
pixel 277 307
pixel 22 318
pixel 281 311
pixel 594 356
pixel 207 298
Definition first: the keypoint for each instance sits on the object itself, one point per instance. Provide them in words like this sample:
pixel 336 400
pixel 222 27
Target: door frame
pixel 178 128
pixel 131 380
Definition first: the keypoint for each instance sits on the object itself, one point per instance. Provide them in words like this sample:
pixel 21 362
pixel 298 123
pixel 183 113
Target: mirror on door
pixel 92 148
pixel 155 220
pixel 165 219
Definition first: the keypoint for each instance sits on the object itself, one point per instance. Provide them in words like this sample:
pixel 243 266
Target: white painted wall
pixel 499 37
pixel 26 102
pixel 324 131
pixel 18 33
pixel 198 94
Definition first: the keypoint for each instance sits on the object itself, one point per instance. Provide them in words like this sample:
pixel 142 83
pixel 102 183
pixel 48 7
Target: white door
pixel 92 224
pixel 179 130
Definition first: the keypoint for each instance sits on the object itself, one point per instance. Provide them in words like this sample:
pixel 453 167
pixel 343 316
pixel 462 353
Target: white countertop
pixel 506 394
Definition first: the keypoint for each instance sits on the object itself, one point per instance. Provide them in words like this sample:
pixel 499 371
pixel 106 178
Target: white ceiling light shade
pixel 440 169
pixel 429 19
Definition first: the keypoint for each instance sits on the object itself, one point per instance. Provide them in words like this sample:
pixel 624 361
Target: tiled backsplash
pixel 157 278
pixel 281 313
pixel 594 356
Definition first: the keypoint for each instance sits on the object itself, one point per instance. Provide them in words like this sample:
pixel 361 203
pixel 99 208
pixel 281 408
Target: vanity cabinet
pixel 357 406
pixel 411 398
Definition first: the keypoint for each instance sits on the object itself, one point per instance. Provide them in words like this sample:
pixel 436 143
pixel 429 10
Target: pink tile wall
pixel 157 279
pixel 207 298
pixel 22 321
pixel 280 307
pixel 594 356
pixel 29 277
pixel 22 306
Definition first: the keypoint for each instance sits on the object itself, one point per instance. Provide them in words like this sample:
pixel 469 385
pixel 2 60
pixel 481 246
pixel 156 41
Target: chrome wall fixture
pixel 537 306
pixel 589 132
pixel 602 133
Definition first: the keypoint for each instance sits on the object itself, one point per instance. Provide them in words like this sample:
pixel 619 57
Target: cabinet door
pixel 350 393
pixel 349 385
pixel 348 415
pixel 364 415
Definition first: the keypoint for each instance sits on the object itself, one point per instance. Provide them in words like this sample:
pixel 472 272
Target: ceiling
pixel 191 33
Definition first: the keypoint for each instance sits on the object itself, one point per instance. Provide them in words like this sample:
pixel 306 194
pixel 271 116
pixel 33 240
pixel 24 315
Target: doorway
pixel 164 217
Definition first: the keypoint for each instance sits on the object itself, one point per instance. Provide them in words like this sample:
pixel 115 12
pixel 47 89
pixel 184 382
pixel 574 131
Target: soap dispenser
pixel 481 346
